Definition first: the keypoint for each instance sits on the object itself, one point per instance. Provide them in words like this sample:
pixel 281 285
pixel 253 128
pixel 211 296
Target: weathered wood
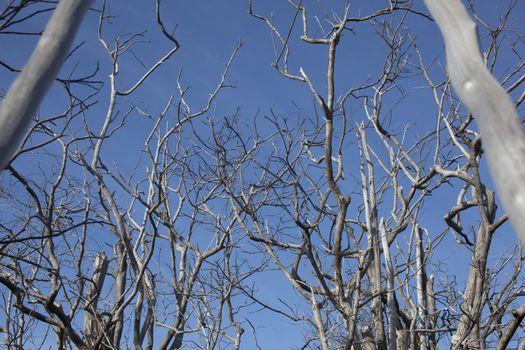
pixel 513 326
pixel 29 88
pixel 502 134
pixel 391 304
pixel 93 327
pixel 421 279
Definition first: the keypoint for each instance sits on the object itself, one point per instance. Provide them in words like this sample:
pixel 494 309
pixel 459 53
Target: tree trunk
pixel 28 90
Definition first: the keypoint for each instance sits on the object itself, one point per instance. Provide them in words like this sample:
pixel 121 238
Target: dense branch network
pixel 354 202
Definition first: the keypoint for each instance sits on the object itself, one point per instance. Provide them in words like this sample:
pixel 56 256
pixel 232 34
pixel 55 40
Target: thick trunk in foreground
pixel 28 90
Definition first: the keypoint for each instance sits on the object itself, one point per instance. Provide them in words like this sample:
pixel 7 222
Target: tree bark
pixel 92 323
pixel 496 115
pixel 392 314
pixel 422 309
pixel 28 90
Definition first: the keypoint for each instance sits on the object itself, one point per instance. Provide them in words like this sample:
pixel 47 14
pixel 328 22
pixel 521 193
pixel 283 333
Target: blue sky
pixel 208 31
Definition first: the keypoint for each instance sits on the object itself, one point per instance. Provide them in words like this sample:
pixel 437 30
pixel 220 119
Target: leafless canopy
pixel 370 200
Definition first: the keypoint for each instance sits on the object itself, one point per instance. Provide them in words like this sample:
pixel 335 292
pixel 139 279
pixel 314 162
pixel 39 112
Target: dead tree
pixel 495 113
pixel 23 98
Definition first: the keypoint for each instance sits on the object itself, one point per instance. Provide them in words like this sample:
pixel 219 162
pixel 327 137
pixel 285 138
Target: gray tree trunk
pixel 29 88
pixel 495 113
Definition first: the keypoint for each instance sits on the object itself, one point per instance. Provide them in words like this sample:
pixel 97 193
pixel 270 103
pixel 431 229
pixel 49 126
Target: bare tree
pixel 103 259
pixel 23 98
pixel 356 201
pixel 328 246
pixel 503 141
pixel 495 112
